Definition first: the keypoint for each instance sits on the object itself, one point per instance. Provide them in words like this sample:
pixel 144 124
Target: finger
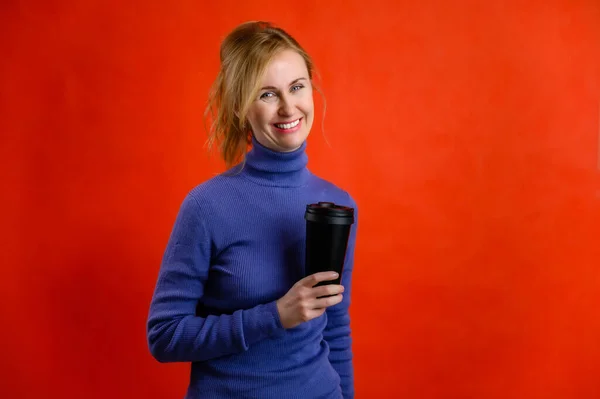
pixel 316 278
pixel 325 290
pixel 322 303
pixel 316 313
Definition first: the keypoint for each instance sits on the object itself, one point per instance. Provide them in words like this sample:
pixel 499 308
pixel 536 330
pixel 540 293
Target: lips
pixel 288 127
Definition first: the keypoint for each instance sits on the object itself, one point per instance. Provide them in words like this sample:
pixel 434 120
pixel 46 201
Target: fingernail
pixel 334 274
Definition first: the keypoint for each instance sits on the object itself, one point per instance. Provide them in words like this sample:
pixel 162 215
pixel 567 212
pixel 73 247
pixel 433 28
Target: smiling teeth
pixel 287 125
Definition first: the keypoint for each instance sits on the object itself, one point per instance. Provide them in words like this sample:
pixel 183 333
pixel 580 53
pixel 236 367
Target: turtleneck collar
pixel 268 167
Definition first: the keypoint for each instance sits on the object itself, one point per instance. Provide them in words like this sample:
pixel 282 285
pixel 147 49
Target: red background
pixel 467 131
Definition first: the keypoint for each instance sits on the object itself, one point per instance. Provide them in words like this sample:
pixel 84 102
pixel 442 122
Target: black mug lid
pixel 329 212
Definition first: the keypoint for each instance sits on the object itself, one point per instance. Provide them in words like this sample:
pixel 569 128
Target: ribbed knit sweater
pixel 238 245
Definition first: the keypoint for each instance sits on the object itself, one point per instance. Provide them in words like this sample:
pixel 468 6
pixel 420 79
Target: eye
pixel 297 87
pixel 267 95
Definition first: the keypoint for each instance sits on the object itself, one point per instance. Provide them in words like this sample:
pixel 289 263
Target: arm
pixel 175 333
pixel 337 331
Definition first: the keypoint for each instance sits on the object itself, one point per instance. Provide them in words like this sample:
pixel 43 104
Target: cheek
pixel 257 116
pixel 310 115
pixel 266 114
pixel 308 106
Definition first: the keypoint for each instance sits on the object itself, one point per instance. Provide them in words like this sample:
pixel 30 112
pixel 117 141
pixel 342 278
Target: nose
pixel 286 107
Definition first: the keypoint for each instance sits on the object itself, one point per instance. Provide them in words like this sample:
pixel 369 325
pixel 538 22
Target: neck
pixel 268 167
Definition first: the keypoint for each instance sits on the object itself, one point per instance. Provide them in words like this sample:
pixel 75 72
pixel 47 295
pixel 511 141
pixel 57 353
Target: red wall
pixel 467 132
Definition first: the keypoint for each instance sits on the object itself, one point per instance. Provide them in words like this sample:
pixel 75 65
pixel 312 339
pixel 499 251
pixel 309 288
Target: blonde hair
pixel 245 54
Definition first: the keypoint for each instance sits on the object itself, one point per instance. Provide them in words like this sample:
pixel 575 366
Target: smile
pixel 287 125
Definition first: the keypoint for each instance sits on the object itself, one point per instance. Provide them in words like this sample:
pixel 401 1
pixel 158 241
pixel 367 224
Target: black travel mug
pixel 327 231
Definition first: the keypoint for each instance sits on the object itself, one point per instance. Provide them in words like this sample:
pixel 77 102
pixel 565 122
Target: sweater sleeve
pixel 174 332
pixel 337 330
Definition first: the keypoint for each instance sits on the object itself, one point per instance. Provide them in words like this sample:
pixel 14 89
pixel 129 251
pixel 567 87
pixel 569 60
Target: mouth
pixel 288 127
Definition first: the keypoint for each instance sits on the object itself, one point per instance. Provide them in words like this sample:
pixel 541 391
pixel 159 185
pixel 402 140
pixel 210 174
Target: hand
pixel 303 303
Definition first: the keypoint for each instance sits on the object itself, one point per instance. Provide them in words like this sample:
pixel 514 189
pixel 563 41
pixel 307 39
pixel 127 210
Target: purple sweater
pixel 236 247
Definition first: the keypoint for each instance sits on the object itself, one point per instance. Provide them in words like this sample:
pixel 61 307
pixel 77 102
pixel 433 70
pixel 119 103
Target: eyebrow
pixel 275 88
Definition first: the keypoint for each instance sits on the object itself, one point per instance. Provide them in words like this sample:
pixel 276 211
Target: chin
pixel 291 144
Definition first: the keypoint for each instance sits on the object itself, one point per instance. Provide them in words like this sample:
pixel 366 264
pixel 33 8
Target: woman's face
pixel 282 114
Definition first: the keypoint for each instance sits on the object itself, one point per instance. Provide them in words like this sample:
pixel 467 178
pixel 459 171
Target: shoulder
pixel 206 202
pixel 214 187
pixel 203 198
pixel 327 187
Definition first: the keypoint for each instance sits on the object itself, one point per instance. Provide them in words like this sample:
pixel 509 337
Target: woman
pixel 231 295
